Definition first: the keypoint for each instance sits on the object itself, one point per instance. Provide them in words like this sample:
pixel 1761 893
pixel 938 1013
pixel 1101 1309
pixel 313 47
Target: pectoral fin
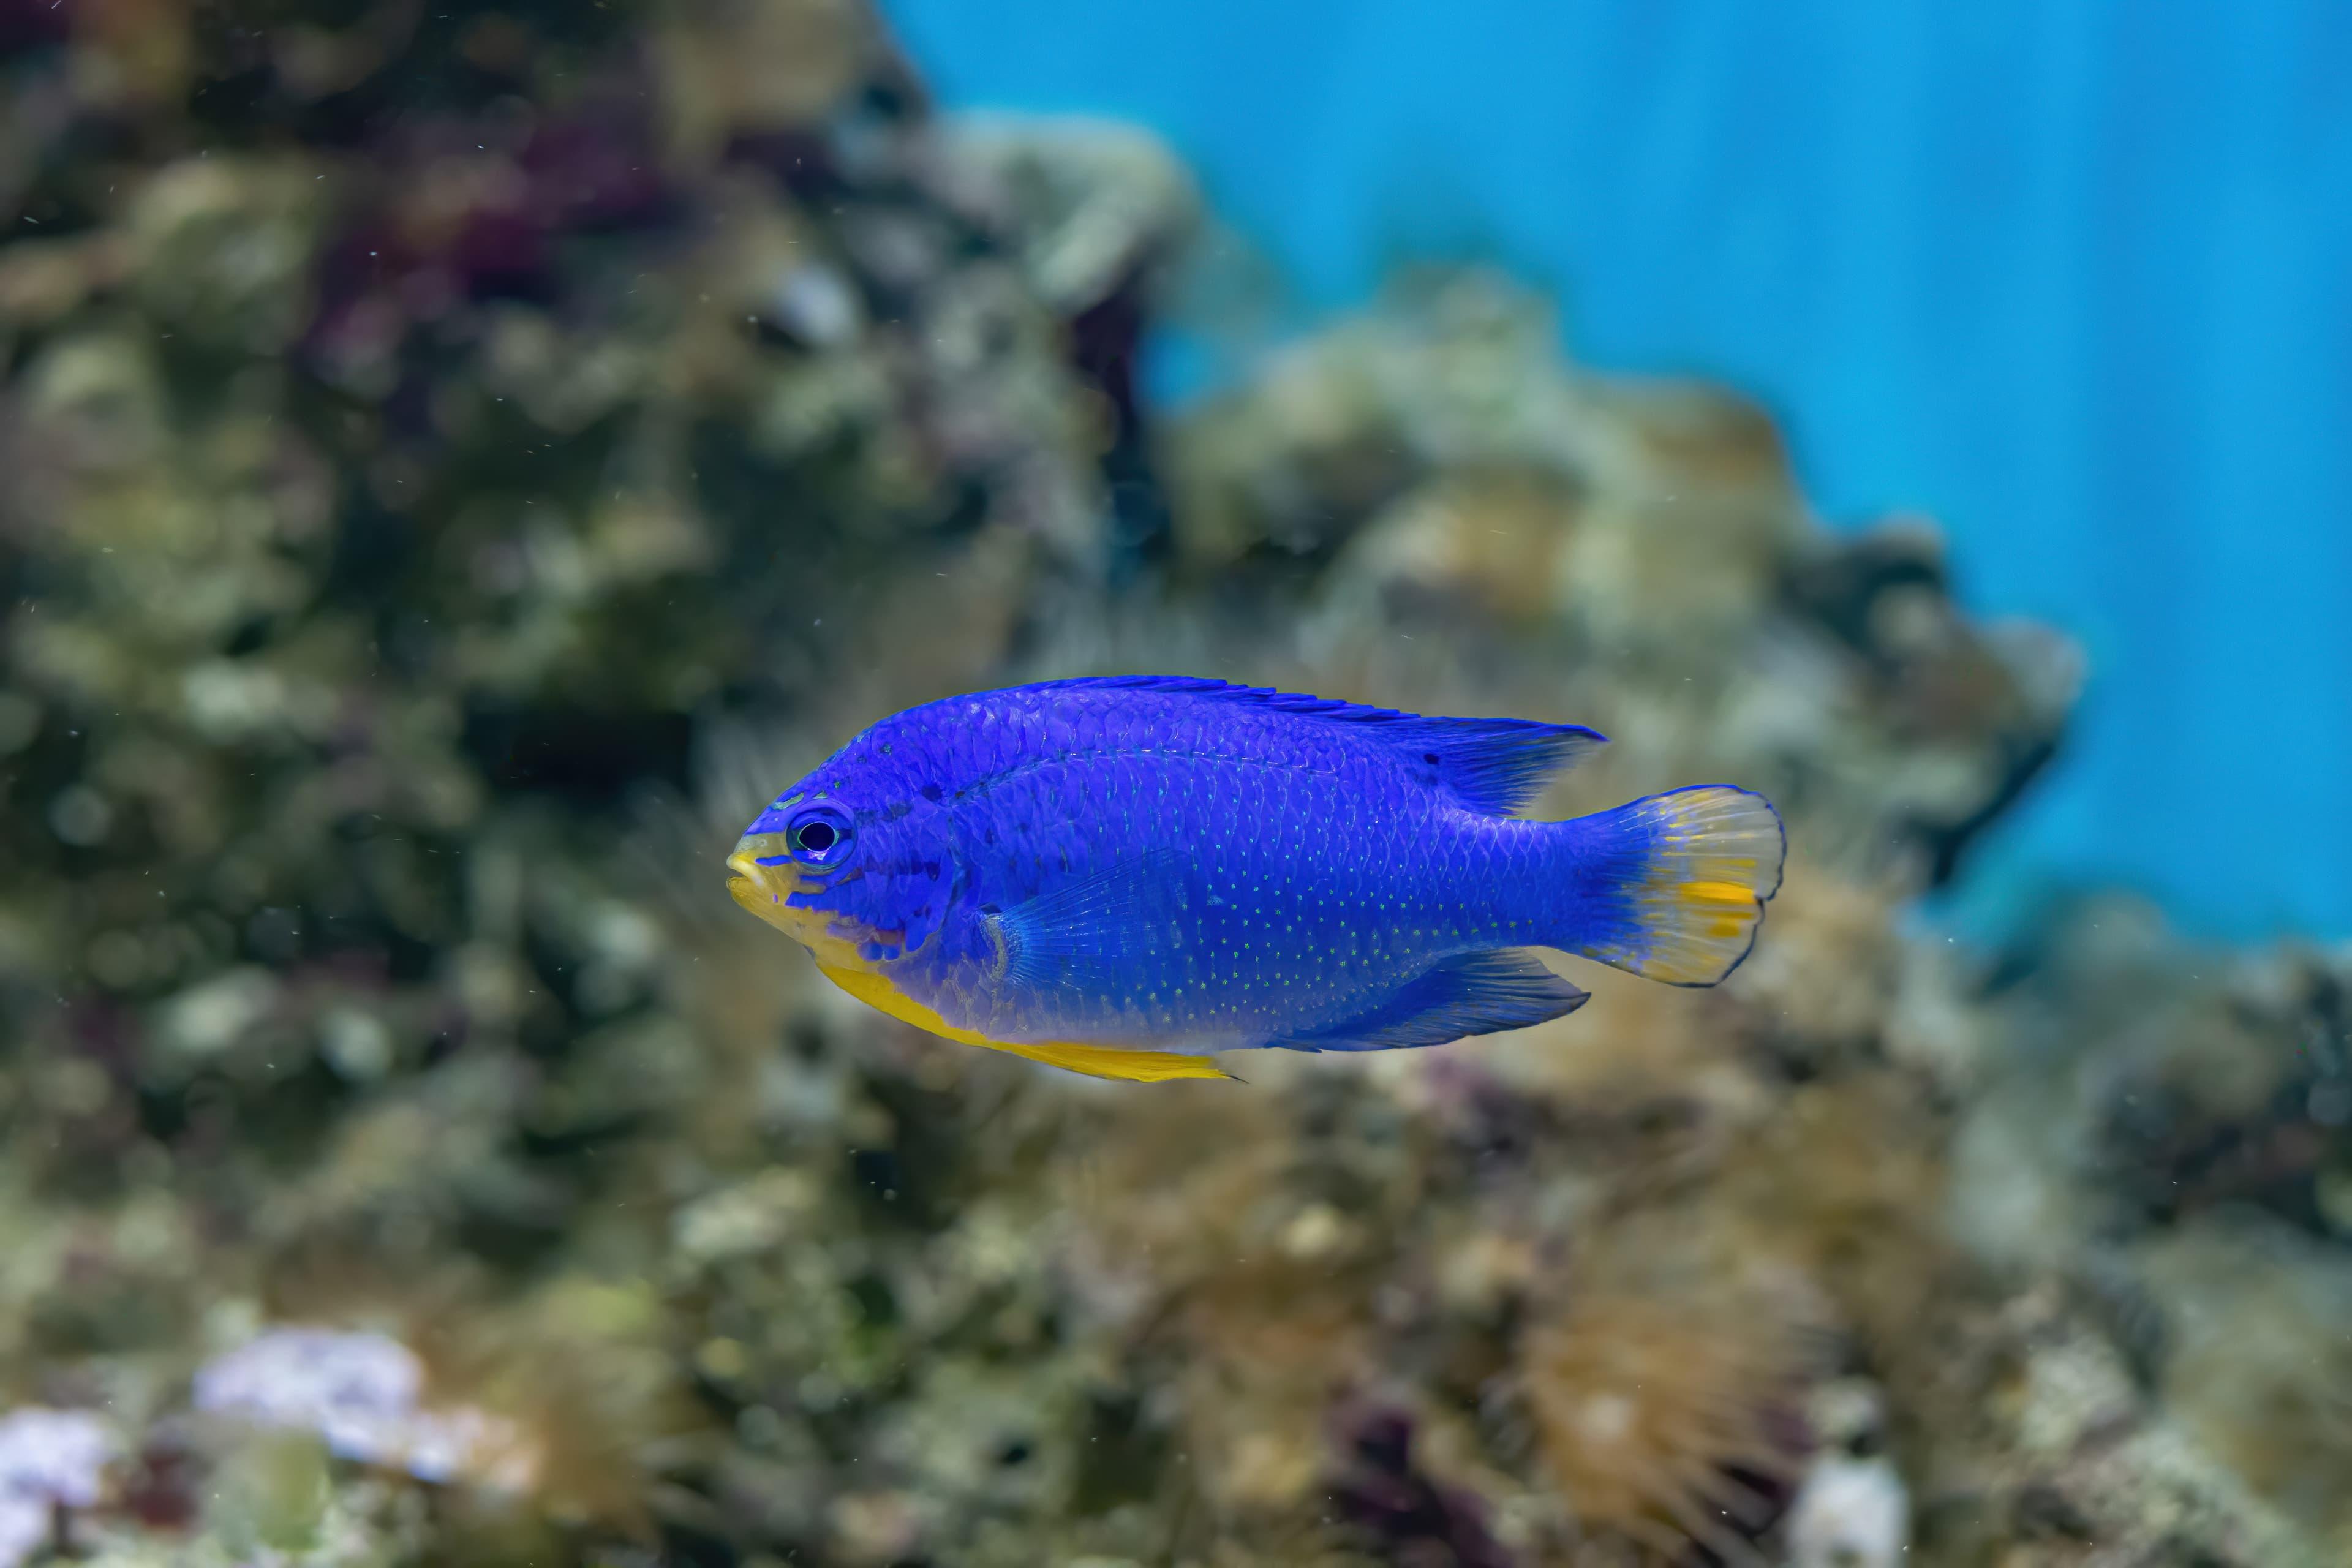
pixel 1084 935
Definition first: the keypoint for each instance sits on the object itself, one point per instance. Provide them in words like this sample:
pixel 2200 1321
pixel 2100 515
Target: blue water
pixel 2075 278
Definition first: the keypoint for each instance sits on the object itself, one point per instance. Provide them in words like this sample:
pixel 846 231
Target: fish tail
pixel 1673 886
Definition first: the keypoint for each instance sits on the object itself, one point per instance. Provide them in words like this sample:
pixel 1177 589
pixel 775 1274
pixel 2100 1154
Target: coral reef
pixel 458 464
pixel 1656 1406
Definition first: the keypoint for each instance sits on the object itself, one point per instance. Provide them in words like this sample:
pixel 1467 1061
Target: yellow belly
pixel 1095 1061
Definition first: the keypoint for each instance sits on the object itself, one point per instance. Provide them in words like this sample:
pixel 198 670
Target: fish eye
pixel 820 838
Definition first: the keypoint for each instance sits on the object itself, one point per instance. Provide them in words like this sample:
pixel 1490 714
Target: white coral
pixel 1851 1513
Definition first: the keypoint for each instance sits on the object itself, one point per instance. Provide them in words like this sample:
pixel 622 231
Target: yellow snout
pixel 764 890
pixel 767 891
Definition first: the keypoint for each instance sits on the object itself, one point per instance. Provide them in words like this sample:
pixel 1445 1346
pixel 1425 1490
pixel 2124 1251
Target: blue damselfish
pixel 1120 876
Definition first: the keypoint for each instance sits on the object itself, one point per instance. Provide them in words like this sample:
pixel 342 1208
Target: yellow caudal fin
pixel 1673 887
pixel 1094 1061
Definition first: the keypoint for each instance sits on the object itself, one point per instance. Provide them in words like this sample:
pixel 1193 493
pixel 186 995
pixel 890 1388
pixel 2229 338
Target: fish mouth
pixel 764 881
pixel 768 890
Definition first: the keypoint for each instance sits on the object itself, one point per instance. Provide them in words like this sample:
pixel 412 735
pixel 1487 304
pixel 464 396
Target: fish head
pixel 853 867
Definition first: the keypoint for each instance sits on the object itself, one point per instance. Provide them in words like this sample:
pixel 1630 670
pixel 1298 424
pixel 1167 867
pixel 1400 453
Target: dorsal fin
pixel 1491 766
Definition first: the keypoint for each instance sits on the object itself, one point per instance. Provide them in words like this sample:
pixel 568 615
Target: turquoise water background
pixel 2075 278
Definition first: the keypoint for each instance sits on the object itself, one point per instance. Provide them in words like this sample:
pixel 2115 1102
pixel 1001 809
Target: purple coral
pixel 1409 1515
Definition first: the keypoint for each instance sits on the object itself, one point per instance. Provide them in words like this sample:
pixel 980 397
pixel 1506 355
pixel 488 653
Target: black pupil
pixel 817 836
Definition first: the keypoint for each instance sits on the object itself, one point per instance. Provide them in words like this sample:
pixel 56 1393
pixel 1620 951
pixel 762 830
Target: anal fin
pixel 1476 994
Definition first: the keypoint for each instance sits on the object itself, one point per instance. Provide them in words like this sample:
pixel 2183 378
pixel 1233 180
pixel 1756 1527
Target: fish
pixel 1125 875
